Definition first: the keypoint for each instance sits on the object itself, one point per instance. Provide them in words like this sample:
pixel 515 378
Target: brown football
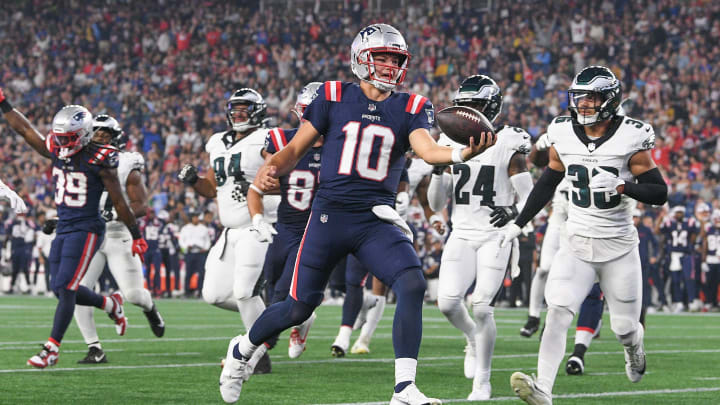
pixel 459 123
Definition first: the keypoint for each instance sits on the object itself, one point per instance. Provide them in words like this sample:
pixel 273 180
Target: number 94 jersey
pixel 483 181
pixel 594 214
pixel 235 164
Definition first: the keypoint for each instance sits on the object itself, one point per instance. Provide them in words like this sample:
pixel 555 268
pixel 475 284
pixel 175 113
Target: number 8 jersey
pixel 594 214
pixel 235 164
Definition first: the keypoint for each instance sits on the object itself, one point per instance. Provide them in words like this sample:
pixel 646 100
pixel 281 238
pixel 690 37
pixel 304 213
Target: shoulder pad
pixel 333 90
pixel 415 103
pixel 515 138
pixel 214 141
pixel 103 155
pixel 642 133
pixel 136 160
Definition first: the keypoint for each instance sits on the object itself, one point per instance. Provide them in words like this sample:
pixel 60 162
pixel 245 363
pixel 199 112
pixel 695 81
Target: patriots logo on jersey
pixel 323 218
pixel 372 107
pixel 430 115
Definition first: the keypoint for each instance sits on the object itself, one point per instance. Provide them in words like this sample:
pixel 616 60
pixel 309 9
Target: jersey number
pixel 679 238
pixel 483 184
pixel 379 171
pixel 70 188
pixel 712 243
pixel 582 195
pixel 234 169
pixel 300 190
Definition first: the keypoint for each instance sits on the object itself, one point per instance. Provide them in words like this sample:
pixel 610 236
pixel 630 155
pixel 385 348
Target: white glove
pixel 16 203
pixel 605 182
pixel 402 202
pixel 264 230
pixel 705 268
pixel 543 143
pixel 511 232
pixel 388 214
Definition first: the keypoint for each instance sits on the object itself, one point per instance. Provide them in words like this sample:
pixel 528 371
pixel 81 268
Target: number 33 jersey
pixel 235 164
pixel 595 214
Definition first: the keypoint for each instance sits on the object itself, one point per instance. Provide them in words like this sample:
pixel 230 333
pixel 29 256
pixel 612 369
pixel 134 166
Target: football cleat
pixel 695 306
pixel 469 365
pixel 298 337
pixel 118 314
pixel 234 373
pixel 526 388
pixel 46 357
pixel 157 324
pixel 575 365
pixel 635 359
pixel 481 394
pixel 95 356
pixel 531 326
pixel 369 301
pixel 264 366
pixel 361 346
pixel 411 395
pixel 337 351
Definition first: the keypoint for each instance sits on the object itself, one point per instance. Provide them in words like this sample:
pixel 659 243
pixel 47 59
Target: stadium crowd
pixel 164 69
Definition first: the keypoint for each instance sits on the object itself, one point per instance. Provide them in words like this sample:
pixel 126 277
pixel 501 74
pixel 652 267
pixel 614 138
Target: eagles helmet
pixel 105 122
pixel 378 38
pixel 595 80
pixel 71 130
pixel 256 109
pixel 306 96
pixel 481 93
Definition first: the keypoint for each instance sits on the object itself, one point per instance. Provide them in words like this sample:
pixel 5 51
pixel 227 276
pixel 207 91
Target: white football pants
pixel 550 247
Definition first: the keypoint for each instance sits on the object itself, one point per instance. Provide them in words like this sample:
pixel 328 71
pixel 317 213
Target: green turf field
pixel 183 367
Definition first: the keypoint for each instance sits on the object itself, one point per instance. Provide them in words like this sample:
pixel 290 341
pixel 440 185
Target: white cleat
pixel 695 306
pixel 469 365
pixel 298 337
pixel 411 395
pixel 361 346
pixel 526 388
pixel 635 359
pixel 480 394
pixel 234 373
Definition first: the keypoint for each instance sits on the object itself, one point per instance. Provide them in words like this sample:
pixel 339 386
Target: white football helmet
pixel 598 81
pixel 378 38
pixel 305 97
pixel 256 110
pixel 71 130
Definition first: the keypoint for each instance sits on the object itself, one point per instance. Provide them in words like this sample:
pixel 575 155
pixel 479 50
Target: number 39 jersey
pixel 297 188
pixel 483 181
pixel 594 214
pixel 235 164
pixel 363 153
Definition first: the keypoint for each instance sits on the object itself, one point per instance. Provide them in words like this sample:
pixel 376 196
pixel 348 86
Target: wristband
pixel 135 232
pixel 5 106
pixel 457 155
pixel 257 189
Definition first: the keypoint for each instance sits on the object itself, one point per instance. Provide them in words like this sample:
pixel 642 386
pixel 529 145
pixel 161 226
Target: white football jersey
pixel 127 162
pixel 483 181
pixel 599 215
pixel 235 166
pixel 416 171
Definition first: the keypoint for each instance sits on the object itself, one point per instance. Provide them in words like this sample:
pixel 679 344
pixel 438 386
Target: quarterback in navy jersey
pixel 81 171
pixel 367 129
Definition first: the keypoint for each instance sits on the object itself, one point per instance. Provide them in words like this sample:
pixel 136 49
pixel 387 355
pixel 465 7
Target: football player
pixel 116 250
pixel 603 154
pixel 368 128
pixel 16 203
pixel 711 260
pixel 234 263
pixel 297 190
pixel 81 170
pixel 588 327
pixel 680 234
pixel 483 191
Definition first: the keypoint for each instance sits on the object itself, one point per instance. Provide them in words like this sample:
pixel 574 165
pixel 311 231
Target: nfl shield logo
pixel 323 218
pixel 371 107
pixel 591 146
pixel 316 156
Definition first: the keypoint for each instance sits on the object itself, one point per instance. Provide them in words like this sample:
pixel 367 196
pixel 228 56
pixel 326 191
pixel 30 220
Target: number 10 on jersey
pixel 366 139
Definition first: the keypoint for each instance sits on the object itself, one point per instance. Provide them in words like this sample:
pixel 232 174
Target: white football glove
pixel 511 232
pixel 16 203
pixel 402 202
pixel 705 268
pixel 543 143
pixel 264 229
pixel 605 182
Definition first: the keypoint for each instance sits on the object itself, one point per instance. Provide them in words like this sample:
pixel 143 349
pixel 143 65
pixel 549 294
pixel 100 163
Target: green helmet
pixel 482 93
pixel 595 80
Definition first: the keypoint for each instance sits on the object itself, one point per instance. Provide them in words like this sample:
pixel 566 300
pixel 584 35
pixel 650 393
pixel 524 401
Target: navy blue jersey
pixel 151 229
pixel 78 187
pixel 363 153
pixel 713 240
pixel 678 234
pixel 297 188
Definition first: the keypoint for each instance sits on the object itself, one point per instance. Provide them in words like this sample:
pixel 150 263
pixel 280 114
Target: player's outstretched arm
pixel 112 185
pixel 22 126
pixel 205 186
pixel 137 193
pixel 429 151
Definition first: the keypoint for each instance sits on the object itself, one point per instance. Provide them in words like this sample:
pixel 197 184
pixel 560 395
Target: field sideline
pixel 183 367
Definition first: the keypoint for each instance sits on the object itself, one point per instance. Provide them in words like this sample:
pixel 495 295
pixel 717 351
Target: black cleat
pixel 95 356
pixel 531 326
pixel 157 324
pixel 337 351
pixel 575 365
pixel 263 366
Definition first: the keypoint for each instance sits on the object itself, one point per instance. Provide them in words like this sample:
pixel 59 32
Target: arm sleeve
pixel 540 195
pixel 650 188
pixel 438 191
pixel 523 184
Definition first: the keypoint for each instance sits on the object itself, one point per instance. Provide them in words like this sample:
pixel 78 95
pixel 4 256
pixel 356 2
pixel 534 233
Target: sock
pixel 552 346
pixel 63 314
pixel 583 337
pixel 407 323
pixel 352 304
pixel 343 337
pixel 88 297
pixel 245 348
pixel 373 317
pixel 484 343
pixel 455 312
pixel 405 370
pixel 86 323
pixel 257 355
pixel 580 349
pixel 95 345
pixel 53 344
pixel 250 310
